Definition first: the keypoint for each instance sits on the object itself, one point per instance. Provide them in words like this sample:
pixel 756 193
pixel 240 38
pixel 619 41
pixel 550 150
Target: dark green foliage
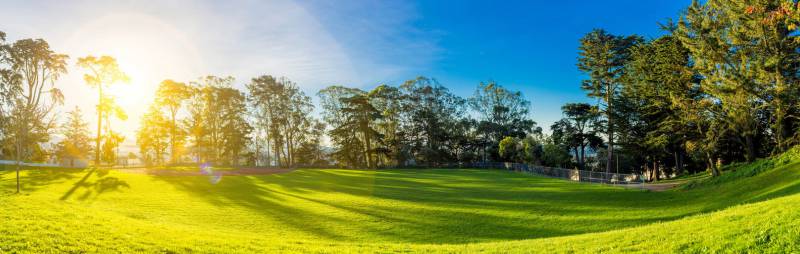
pixel 421 123
pixel 602 57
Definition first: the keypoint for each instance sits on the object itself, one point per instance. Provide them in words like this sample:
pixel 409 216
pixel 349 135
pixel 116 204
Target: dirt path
pixel 234 172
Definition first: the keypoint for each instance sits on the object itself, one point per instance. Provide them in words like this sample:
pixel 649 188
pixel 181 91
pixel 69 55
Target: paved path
pixel 233 172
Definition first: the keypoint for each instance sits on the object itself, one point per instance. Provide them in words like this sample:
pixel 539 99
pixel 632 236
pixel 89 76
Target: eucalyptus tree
pixel 361 115
pixel 311 152
pixel 602 56
pixel 32 94
pixel 217 124
pixel 102 72
pixel 153 136
pixel 432 115
pixel 389 101
pixel 348 149
pixel 7 81
pixel 502 113
pixel 282 111
pixel 171 95
pixel 235 130
pixel 295 120
pixel 263 94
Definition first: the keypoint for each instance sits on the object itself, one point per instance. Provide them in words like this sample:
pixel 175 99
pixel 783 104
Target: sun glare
pixel 147 49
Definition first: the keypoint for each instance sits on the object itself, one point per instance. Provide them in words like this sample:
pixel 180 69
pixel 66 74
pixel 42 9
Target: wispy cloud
pixel 314 43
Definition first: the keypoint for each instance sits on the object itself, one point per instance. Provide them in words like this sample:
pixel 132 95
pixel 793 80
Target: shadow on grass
pixel 32 179
pixel 425 206
pixel 100 185
pixel 448 206
pixel 245 192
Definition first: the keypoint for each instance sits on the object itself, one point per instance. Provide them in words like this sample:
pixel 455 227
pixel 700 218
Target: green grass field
pixel 752 208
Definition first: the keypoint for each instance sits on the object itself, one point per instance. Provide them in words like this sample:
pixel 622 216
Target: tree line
pixel 419 123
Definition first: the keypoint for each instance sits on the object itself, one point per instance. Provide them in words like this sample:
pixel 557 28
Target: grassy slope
pixel 419 210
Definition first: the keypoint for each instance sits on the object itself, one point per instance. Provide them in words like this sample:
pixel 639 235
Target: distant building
pixel 71 162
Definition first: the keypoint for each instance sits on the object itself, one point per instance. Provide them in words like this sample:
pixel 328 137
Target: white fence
pixel 30 164
pixel 570 174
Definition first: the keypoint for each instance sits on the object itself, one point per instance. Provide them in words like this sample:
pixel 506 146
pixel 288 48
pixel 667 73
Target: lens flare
pixel 213 176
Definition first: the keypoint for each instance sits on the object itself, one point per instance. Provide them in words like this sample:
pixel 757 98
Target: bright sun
pixel 147 49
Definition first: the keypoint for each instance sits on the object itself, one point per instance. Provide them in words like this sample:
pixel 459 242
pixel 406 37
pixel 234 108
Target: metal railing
pixel 569 174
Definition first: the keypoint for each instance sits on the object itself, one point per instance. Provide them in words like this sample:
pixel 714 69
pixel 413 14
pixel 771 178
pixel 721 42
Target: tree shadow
pixel 245 192
pixel 32 179
pixel 447 206
pixel 97 185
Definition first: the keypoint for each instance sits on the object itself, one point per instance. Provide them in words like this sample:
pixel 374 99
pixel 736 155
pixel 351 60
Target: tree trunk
pixel 19 151
pixel 258 151
pixel 609 111
pixel 368 145
pixel 711 165
pixel 172 154
pixel 656 170
pixel 750 148
pixel 583 157
pixel 277 152
pixel 577 158
pixel 267 153
pixel 678 169
pixel 99 125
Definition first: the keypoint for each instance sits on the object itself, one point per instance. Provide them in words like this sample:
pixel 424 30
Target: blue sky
pixel 524 45
pixel 529 46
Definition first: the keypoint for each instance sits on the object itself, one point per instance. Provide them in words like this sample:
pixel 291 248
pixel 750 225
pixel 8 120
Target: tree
pixel 153 136
pixel 509 149
pixel 34 68
pixel 655 117
pixel 603 56
pixel 554 154
pixel 8 79
pixel 204 121
pixel 502 113
pixel 171 95
pixel 433 114
pixel 361 115
pixel 235 128
pixel 77 142
pixel 347 145
pixel 579 127
pixel 746 52
pixel 102 72
pixel 311 151
pixel 282 112
pixel 217 121
pixel 390 102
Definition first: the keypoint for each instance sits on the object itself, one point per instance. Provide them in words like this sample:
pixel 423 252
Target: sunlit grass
pixel 377 210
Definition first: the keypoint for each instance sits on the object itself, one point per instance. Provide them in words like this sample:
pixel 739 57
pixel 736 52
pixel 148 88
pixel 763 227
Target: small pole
pixel 617 161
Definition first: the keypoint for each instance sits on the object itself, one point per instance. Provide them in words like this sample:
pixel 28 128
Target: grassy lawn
pixel 392 210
